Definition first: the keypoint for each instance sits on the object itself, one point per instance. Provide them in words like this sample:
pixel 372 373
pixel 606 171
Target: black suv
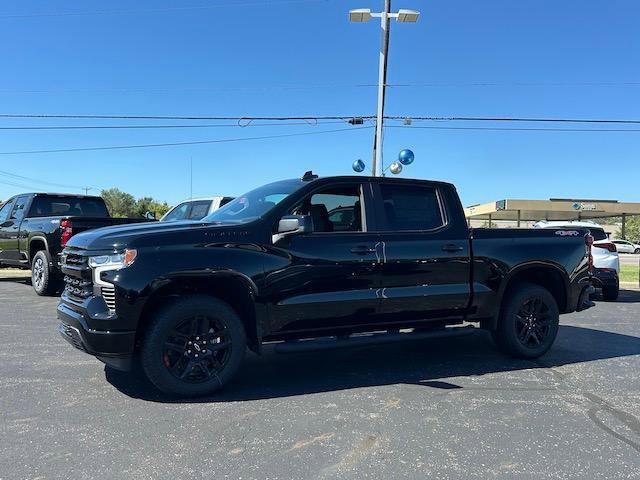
pixel 313 263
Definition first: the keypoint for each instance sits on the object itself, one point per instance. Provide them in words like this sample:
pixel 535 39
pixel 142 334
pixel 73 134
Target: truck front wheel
pixel 44 279
pixel 193 346
pixel 528 322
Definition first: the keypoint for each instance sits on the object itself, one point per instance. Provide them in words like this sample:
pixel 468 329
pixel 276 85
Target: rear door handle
pixel 451 247
pixel 363 250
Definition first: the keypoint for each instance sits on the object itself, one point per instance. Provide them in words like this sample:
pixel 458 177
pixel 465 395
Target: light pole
pixel 361 15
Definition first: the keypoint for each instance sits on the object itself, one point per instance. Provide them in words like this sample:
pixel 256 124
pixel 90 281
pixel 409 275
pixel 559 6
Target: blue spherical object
pixel 406 157
pixel 358 166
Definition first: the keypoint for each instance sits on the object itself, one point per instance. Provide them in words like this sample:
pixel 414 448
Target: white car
pixel 195 209
pixel 606 262
pixel 626 247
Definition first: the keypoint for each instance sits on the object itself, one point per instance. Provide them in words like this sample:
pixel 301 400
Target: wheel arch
pixel 236 289
pixel 545 274
pixel 35 243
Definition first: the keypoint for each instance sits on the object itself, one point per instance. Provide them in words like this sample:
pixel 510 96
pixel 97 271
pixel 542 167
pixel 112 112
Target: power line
pixel 318 118
pixel 523 129
pixel 307 86
pixel 19 185
pixel 4 173
pixel 514 119
pixel 116 127
pixel 200 142
pixel 158 10
pixel 180 117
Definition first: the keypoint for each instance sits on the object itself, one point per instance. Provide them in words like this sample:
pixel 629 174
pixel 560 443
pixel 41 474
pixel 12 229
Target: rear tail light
pixel 67 231
pixel 607 246
pixel 588 239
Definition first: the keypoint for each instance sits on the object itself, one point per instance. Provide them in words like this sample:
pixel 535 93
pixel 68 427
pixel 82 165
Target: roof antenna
pixel 309 176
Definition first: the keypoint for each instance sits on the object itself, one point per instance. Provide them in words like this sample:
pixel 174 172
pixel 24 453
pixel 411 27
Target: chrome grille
pixel 74 260
pixel 109 296
pixel 77 287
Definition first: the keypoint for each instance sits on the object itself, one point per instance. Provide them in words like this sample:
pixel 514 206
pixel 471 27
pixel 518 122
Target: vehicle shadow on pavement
pixel 24 280
pixel 427 363
pixel 627 296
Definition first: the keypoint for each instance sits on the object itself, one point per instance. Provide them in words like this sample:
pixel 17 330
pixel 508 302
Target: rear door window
pixel 45 206
pixel 18 212
pixel 6 208
pixel 411 208
pixel 178 213
pixel 199 209
pixel 598 234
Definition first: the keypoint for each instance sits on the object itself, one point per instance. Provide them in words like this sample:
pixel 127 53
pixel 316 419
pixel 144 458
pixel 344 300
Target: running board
pixel 358 340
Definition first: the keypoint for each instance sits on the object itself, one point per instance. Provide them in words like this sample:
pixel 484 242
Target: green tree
pixel 119 203
pixel 148 204
pixel 632 229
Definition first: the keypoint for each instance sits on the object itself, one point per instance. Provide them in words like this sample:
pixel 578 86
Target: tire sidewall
pixel 506 333
pixel 45 286
pixel 172 314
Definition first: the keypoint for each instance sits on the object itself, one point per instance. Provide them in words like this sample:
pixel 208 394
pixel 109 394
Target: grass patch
pixel 629 273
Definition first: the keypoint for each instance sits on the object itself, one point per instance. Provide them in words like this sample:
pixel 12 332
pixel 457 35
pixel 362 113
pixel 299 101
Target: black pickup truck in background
pixel 35 227
pixel 314 263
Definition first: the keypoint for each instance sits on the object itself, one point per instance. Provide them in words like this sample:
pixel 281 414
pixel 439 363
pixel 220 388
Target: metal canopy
pixel 552 209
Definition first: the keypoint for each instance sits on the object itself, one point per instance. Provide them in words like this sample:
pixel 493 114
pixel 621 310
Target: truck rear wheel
pixel 44 280
pixel 193 346
pixel 528 323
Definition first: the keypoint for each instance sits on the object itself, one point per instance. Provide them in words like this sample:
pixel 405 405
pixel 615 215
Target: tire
pixel 637 251
pixel 182 352
pixel 610 293
pixel 44 279
pixel 528 323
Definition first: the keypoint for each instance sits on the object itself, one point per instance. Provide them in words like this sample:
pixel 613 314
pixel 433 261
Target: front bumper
pixel 115 348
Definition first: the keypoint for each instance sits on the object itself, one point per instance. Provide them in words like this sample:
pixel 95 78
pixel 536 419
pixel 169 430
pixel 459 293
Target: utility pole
pixel 364 15
pixel 382 85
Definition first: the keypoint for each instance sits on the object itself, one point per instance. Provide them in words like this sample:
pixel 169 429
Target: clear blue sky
pixel 300 58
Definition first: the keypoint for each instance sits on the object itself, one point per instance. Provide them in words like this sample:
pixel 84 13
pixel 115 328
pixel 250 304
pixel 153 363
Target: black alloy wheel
pixel 529 321
pixel 197 349
pixel 193 346
pixel 533 322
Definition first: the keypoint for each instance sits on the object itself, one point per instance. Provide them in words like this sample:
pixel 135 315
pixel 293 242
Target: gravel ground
pixel 453 408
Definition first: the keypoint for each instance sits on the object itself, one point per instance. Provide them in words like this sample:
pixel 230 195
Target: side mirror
pixel 293 225
pixel 150 215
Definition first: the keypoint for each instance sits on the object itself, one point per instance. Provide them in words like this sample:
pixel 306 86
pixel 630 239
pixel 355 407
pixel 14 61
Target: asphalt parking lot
pixel 453 408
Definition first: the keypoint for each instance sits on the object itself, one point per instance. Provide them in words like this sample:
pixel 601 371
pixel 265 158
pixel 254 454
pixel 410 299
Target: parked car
pixel 195 209
pixel 626 247
pixel 186 299
pixel 606 261
pixel 35 227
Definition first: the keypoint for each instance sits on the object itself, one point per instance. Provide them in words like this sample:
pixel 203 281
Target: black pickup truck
pixel 313 263
pixel 35 227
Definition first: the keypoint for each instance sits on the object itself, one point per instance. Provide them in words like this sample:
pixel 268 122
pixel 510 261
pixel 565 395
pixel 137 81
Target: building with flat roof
pixel 553 209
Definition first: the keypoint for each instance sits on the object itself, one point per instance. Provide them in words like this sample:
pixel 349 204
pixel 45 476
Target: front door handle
pixel 451 247
pixel 363 250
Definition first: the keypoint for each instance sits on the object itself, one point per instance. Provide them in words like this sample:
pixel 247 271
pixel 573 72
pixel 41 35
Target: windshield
pixel 254 204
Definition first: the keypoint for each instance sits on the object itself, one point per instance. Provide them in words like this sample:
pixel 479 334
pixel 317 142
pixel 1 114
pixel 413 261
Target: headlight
pixel 117 260
pixel 105 263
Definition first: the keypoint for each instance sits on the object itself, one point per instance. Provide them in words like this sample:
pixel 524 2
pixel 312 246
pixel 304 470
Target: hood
pixel 144 234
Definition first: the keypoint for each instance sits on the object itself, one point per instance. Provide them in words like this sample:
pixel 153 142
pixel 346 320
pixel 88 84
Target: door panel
pixel 426 269
pixel 6 226
pixel 325 284
pixel 12 242
pixel 332 275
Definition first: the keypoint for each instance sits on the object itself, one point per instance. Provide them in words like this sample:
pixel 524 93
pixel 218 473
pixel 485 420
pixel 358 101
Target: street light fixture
pixel 362 15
